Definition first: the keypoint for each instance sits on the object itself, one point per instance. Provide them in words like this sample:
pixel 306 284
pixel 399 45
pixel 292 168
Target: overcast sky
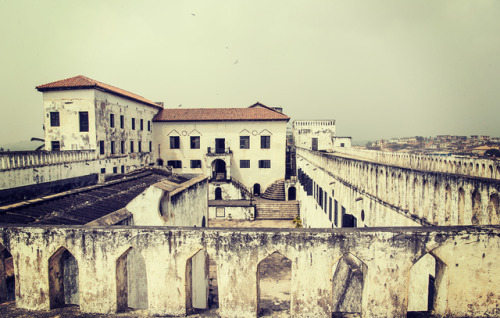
pixel 385 68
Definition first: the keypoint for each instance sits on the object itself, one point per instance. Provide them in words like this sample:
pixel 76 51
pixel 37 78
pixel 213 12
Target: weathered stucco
pixel 467 278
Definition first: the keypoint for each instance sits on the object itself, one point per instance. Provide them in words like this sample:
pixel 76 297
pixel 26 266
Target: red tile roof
pixel 81 82
pixel 252 113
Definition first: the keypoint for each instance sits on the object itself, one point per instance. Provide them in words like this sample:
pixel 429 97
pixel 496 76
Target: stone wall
pixel 386 195
pixel 380 259
pixel 475 167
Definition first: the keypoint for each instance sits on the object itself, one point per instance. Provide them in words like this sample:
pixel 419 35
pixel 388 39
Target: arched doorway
pixel 7 277
pixel 197 285
pixel 256 189
pixel 63 279
pixel 348 282
pixel 292 194
pixel 131 281
pixel 219 169
pixel 218 193
pixel 274 277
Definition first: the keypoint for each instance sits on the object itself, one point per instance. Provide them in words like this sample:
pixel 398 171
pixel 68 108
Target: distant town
pixel 441 145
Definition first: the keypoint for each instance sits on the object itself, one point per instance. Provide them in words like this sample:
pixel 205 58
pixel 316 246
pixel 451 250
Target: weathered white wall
pixel 169 204
pixel 395 196
pixel 484 168
pixel 387 256
pixel 305 130
pixel 342 142
pixel 229 191
pixel 231 132
pixel 233 212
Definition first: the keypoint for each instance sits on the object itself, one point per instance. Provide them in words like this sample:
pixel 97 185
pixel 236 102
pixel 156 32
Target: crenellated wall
pixel 464 259
pixel 378 194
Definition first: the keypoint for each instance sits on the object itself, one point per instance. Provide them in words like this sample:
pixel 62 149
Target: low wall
pixel 466 257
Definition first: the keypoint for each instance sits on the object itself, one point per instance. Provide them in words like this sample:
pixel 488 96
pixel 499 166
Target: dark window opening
pixel 142 124
pixel 149 125
pixel 314 144
pixel 112 120
pixel 84 121
pixel 54 119
pixel 174 163
pixel 122 169
pixel 102 151
pixel 336 216
pixel 112 147
pixel 264 163
pixel 122 147
pixel 244 163
pixel 175 142
pixel 122 121
pixel 55 145
pixel 133 123
pixel 244 142
pixel 195 164
pixel 195 142
pixel 150 146
pixel 131 146
pixel 256 189
pixel 218 193
pixel 103 170
pixel 115 169
pixel 265 142
pixel 139 146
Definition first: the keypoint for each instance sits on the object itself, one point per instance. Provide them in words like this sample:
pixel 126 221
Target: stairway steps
pixel 282 210
pixel 275 191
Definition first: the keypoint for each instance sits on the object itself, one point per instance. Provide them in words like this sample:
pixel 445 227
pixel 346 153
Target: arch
pixel 349 274
pixel 476 207
pixel 197 287
pixel 461 206
pixel 218 193
pixel 131 281
pixel 274 271
pixel 427 288
pixel 219 169
pixel 7 277
pixel 493 212
pixel 292 194
pixel 491 174
pixel 256 189
pixel 447 205
pixel 63 279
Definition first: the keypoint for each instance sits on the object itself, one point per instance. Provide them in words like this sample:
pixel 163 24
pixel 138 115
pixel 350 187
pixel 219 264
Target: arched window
pixel 218 193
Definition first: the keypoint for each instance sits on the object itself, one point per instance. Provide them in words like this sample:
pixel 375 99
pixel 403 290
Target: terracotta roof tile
pixel 80 81
pixel 254 112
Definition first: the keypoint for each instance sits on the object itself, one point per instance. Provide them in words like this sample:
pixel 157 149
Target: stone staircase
pixel 275 191
pixel 279 210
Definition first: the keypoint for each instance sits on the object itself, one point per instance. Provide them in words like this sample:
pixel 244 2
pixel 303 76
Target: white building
pixel 83 114
pixel 246 145
pixel 318 135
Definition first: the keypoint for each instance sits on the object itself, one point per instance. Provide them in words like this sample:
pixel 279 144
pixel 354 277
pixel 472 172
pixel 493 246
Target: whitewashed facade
pixel 84 114
pixel 243 144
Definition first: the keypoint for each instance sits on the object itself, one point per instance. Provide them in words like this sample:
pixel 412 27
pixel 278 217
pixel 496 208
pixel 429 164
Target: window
pixel 142 124
pixel 265 142
pixel 139 146
pixel 84 121
pixel 244 142
pixel 264 163
pixel 122 147
pixel 115 169
pixel 103 170
pixel 101 147
pixel 150 146
pixel 133 123
pixel 55 145
pixel 174 142
pixel 122 169
pixel 54 119
pixel 113 148
pixel 330 210
pixel 131 146
pixel 112 120
pixel 149 125
pixel 195 164
pixel 336 215
pixel 244 163
pixel 122 121
pixel 195 142
pixel 174 163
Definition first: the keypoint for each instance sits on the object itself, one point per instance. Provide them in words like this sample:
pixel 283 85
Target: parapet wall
pixel 467 271
pixel 474 167
pixel 432 197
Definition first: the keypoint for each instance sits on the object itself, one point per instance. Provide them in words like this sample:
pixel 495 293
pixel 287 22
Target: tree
pixel 492 153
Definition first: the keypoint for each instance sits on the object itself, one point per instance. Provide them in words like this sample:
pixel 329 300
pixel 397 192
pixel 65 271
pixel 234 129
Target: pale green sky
pixel 381 68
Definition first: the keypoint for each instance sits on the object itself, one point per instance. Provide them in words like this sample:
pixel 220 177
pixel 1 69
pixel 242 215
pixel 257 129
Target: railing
pixel 28 159
pixel 218 151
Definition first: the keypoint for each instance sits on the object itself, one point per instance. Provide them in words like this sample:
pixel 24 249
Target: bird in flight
pixel 193 14
pixel 179 105
pixel 236 62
